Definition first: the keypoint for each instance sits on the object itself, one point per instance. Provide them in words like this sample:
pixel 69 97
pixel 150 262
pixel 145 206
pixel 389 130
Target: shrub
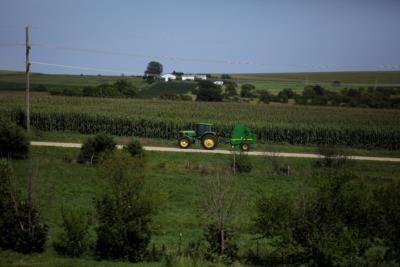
pixel 73 241
pixel 135 148
pixel 13 141
pixel 96 148
pixel 208 91
pixel 21 226
pixel 213 237
pixel 241 163
pixel 125 211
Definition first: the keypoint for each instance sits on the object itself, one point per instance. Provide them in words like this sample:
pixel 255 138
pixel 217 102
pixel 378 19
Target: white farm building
pixel 168 77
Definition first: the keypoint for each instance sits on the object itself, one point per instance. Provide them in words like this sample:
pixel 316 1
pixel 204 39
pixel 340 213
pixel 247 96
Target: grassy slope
pixel 179 177
pixel 13 80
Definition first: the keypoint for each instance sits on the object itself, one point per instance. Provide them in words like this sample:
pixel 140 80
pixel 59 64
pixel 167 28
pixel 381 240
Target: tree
pixel 230 88
pixel 218 209
pixel 74 240
pixel 94 149
pixel 21 226
pixel 265 96
pixel 248 90
pixel 339 224
pixel 13 141
pixel 153 70
pixel 126 88
pixel 208 91
pixel 125 210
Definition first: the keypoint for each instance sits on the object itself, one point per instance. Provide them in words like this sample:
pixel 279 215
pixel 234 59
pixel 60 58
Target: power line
pixel 76 67
pixel 218 61
pixel 11 44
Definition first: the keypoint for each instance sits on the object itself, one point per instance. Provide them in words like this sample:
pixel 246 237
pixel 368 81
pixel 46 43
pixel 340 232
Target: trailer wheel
pixel 245 147
pixel 184 142
pixel 209 141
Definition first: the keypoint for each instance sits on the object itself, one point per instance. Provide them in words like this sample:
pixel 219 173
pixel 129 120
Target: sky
pixel 208 36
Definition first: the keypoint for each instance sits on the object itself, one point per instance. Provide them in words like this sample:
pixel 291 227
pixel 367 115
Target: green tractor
pixel 241 136
pixel 202 133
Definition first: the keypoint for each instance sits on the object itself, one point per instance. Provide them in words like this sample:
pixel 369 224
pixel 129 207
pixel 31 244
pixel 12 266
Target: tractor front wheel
pixel 209 141
pixel 184 142
pixel 244 147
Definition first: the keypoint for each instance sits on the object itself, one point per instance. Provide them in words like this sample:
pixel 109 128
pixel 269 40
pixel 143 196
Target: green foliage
pixel 248 90
pixel 153 70
pixel 379 97
pixel 121 88
pixel 125 211
pixel 265 96
pixel 94 149
pixel 213 253
pixel 13 141
pixel 135 148
pixel 174 87
pixel 74 240
pixel 21 226
pixel 208 91
pixel 339 224
pixel 241 163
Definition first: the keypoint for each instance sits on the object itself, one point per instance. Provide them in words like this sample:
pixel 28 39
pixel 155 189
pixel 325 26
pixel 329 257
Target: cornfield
pixel 363 128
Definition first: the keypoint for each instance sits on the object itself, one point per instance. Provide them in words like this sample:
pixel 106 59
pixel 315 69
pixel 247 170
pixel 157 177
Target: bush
pixel 213 237
pixel 13 141
pixel 73 241
pixel 125 210
pixel 135 148
pixel 208 91
pixel 21 226
pixel 96 148
pixel 241 163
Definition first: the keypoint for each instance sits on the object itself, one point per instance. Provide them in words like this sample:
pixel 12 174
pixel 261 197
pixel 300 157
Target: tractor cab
pixel 203 128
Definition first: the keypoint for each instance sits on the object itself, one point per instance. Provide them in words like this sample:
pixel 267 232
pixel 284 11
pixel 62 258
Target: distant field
pixel 12 80
pixel 278 81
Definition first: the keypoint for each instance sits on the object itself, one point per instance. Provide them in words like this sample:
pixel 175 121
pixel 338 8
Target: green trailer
pixel 241 136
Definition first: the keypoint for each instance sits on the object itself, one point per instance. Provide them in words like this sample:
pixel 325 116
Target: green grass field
pixel 278 81
pixel 14 80
pixel 180 178
pixel 274 82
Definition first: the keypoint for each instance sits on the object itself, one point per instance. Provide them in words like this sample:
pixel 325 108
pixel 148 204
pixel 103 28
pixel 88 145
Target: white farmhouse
pixel 168 77
pixel 201 77
pixel 188 77
pixel 219 82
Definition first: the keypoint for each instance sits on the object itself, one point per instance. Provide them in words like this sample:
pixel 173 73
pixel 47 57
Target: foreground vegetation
pixel 61 182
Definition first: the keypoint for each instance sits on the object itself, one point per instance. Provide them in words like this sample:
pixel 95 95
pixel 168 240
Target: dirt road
pixel 217 151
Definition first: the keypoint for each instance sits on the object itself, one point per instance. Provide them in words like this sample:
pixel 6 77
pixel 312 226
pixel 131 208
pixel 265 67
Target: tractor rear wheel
pixel 245 147
pixel 209 141
pixel 184 142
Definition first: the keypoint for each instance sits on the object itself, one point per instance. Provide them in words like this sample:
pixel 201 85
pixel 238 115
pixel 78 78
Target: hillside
pixel 13 80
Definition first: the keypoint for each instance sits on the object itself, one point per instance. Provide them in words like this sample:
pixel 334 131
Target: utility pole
pixel 28 65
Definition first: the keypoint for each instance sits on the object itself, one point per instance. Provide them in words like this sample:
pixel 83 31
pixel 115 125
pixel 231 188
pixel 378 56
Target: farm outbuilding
pixel 168 77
